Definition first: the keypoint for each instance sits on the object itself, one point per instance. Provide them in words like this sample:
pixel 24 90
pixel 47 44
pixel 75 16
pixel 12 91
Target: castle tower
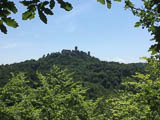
pixel 89 54
pixel 76 48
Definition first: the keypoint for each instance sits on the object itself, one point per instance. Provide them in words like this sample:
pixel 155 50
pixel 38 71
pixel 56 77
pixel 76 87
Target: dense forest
pixel 100 77
pixel 77 86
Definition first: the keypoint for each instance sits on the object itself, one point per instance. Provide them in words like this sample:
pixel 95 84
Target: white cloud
pixel 122 60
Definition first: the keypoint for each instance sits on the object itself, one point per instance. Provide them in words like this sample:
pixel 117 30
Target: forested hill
pixel 100 77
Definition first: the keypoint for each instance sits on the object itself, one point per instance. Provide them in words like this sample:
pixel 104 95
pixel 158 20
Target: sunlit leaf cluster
pixel 139 99
pixel 54 96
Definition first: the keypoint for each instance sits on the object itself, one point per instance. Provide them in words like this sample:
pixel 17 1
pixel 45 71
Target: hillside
pixel 100 77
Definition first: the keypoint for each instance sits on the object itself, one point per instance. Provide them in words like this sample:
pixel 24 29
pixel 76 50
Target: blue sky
pixel 108 34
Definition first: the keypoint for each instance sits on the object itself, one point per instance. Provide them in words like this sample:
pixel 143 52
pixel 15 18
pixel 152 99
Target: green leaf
pixel 118 0
pixel 42 16
pixel 101 1
pixel 67 6
pixel 3 28
pixel 108 4
pixel 137 24
pixel 26 3
pixel 4 13
pixel 45 3
pixel 12 7
pixel 153 49
pixel 10 22
pixel 32 16
pixel 26 15
pixel 129 4
pixel 52 4
pixel 48 11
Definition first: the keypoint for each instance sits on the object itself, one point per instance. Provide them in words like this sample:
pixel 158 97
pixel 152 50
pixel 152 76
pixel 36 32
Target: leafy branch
pixel 44 8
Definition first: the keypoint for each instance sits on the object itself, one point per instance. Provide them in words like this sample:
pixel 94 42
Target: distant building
pixel 76 48
pixel 65 51
pixel 89 54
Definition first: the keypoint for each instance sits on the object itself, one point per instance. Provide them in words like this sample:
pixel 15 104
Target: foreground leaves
pixel 55 97
pixel 140 100
pixel 44 8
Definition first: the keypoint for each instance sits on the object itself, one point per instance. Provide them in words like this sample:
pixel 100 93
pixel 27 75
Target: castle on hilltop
pixel 65 51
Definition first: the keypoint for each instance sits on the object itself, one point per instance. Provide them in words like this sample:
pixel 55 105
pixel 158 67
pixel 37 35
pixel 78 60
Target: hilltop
pixel 101 77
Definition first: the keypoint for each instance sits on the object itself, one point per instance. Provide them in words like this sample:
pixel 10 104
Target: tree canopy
pixel 138 100
pixel 54 96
